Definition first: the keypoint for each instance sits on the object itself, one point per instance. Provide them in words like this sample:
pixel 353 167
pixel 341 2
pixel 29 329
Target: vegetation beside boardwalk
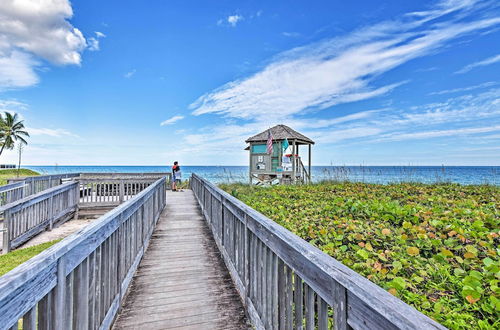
pixel 6 174
pixel 434 246
pixel 14 258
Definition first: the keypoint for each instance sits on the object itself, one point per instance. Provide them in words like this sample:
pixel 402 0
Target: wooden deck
pixel 182 282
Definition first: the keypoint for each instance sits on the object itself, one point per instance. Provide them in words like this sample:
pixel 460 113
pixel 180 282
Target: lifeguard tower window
pixel 259 149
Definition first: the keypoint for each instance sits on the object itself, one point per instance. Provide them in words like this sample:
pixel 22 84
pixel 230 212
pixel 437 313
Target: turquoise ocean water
pixel 370 174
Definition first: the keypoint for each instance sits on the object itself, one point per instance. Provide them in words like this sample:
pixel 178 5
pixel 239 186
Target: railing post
pixel 6 232
pixel 60 296
pixel 51 212
pixel 122 191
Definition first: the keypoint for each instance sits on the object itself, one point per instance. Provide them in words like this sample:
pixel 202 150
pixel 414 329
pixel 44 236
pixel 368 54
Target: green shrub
pixel 433 246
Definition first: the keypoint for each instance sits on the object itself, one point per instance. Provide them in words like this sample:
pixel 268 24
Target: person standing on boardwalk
pixel 176 175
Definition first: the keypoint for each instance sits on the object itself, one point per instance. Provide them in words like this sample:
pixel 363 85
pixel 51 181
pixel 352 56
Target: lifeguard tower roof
pixel 281 132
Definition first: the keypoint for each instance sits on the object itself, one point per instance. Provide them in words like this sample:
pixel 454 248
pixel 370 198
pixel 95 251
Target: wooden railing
pixel 31 215
pixel 36 184
pixel 11 192
pixel 286 283
pixel 109 191
pixel 80 282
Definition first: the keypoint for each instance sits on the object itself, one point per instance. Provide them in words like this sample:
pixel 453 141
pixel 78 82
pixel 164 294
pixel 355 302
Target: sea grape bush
pixel 436 246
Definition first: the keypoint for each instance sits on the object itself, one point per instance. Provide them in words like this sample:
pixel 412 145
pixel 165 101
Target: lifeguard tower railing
pixel 286 283
pixel 80 282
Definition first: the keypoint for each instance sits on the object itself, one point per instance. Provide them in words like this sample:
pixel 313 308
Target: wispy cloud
pixel 12 105
pixel 93 43
pixel 488 61
pixel 57 132
pixel 290 34
pixel 231 20
pixel 172 120
pixel 340 70
pixel 32 31
pixel 465 89
pixel 438 133
pixel 130 74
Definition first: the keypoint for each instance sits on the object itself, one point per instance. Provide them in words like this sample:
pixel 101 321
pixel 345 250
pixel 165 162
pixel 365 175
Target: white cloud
pixel 231 20
pixel 16 70
pixel 31 29
pixel 465 89
pixel 291 34
pixel 58 132
pixel 488 61
pixel 12 105
pixel 130 74
pixel 338 70
pixel 438 133
pixel 93 43
pixel 234 19
pixel 172 120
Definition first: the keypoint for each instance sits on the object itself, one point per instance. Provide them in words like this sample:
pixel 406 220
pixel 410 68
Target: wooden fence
pixel 11 192
pixel 286 283
pixel 31 215
pixel 80 282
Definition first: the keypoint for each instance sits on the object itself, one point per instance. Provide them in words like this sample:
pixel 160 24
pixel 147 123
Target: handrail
pixel 286 282
pixel 109 191
pixel 11 192
pixel 80 281
pixel 31 215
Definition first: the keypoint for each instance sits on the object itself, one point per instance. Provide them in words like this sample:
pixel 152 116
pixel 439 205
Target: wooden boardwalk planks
pixel 182 281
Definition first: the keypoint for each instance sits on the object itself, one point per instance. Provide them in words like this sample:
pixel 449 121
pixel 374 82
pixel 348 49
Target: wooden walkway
pixel 182 282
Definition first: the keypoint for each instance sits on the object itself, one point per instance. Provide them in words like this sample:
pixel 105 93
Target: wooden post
pixel 309 165
pixel 6 240
pixel 122 191
pixel 60 295
pixel 294 161
pixel 250 164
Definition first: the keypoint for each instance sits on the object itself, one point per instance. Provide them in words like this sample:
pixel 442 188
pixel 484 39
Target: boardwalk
pixel 182 282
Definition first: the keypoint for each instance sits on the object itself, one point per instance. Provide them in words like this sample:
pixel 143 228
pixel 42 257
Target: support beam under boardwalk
pixel 182 282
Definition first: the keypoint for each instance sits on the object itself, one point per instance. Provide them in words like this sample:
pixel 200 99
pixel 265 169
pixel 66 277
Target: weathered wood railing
pixel 286 283
pixel 80 282
pixel 31 215
pixel 11 192
pixel 36 184
pixel 109 191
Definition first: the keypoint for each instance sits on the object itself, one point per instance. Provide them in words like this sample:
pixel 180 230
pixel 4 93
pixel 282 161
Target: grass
pixel 14 258
pixel 6 174
pixel 435 246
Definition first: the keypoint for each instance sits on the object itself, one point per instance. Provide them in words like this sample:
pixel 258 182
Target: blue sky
pixel 372 82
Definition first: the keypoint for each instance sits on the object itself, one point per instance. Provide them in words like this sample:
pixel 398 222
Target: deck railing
pixel 80 282
pixel 11 192
pixel 286 283
pixel 31 215
pixel 36 184
pixel 109 192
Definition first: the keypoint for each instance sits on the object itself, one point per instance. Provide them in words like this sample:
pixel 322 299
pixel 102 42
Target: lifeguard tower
pixel 284 164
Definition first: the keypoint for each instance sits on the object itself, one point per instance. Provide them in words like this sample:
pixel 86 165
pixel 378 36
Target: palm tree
pixel 11 130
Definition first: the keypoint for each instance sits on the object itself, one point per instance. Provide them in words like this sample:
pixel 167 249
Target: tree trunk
pixel 1 150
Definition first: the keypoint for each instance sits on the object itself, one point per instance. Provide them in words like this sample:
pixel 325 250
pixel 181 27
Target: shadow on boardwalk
pixel 182 281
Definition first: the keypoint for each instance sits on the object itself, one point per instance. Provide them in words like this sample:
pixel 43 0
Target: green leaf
pixel 362 253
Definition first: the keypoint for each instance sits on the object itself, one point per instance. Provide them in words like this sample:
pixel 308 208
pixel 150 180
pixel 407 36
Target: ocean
pixel 368 174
